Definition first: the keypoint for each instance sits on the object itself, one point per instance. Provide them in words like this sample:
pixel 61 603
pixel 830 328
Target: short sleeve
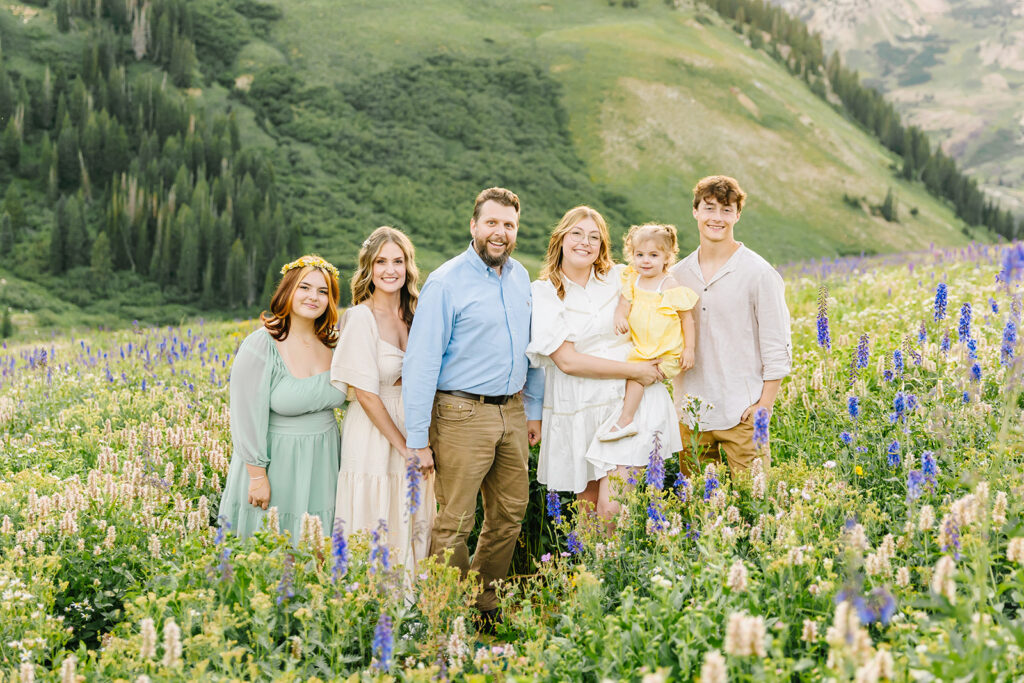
pixel 354 364
pixel 548 326
pixel 627 281
pixel 679 299
pixel 249 394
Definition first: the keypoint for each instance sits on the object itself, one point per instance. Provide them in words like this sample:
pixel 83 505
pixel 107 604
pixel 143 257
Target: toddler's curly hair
pixel 662 234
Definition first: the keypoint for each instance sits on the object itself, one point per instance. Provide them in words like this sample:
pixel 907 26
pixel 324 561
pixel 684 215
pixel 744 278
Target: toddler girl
pixel 656 311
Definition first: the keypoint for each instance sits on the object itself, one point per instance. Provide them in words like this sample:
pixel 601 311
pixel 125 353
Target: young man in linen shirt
pixel 743 337
pixel 465 366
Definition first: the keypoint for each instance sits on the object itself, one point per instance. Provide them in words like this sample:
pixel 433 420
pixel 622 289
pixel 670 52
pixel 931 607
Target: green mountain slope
pixel 654 99
pixel 247 120
pixel 954 68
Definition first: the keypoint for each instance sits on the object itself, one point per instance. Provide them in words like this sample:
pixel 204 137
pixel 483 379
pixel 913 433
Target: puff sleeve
pixel 354 365
pixel 548 325
pixel 678 299
pixel 249 391
pixel 627 279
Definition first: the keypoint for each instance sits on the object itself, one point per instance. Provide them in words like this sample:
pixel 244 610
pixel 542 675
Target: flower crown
pixel 314 261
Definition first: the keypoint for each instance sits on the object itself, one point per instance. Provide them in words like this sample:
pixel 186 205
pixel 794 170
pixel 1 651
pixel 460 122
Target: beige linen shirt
pixel 743 338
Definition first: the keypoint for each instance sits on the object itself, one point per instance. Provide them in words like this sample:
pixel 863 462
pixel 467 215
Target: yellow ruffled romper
pixel 654 326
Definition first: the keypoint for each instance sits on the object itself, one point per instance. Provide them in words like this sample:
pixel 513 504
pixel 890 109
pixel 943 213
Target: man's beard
pixel 492 261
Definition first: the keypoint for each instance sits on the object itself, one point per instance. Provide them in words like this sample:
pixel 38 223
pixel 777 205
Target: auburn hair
pixel 362 280
pixel 278 319
pixel 552 268
pixel 723 188
pixel 497 194
pixel 662 234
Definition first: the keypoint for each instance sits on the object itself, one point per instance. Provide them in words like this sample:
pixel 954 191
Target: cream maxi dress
pixel 372 484
pixel 575 408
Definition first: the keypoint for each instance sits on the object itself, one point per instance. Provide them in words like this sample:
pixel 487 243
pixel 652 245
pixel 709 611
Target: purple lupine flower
pixel 383 643
pixel 413 479
pixel 761 427
pixel 929 468
pixel 710 484
pixel 952 530
pixel 972 348
pixel 846 438
pixel 963 330
pixel 975 373
pixel 993 305
pixel 915 483
pixel 899 407
pixel 682 487
pixel 853 407
pixel 1013 264
pixel 380 553
pixel 1009 340
pixel 940 301
pixel 897 362
pixel 656 465
pixel 655 515
pixel 554 507
pixel 944 344
pixel 863 351
pixel 339 551
pixel 285 588
pixel 922 333
pixel 893 458
pixel 573 543
pixel 824 338
pixel 879 606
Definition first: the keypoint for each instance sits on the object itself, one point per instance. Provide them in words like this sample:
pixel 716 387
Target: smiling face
pixel 389 268
pixel 715 220
pixel 581 245
pixel 494 232
pixel 649 258
pixel 311 295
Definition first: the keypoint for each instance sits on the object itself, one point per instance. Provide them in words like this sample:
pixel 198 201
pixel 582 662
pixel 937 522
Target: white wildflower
pixel 713 669
pixel 737 580
pixel 942 578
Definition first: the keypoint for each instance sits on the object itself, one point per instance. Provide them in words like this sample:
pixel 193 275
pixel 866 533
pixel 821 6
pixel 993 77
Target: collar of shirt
pixel 693 263
pixel 476 263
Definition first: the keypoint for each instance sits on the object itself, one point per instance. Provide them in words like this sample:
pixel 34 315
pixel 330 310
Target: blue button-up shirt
pixel 470 333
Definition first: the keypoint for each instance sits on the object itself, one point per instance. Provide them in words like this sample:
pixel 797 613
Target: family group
pixel 451 385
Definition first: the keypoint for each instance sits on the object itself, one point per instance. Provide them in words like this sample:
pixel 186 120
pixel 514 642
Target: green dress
pixel 288 426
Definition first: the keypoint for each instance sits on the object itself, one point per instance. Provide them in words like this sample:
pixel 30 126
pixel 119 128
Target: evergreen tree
pixel 68 171
pixel 236 278
pixel 59 239
pixel 101 265
pixel 6 326
pixel 77 244
pixel 63 10
pixel 189 261
pixel 12 206
pixel 11 144
pixel 889 207
pixel 6 235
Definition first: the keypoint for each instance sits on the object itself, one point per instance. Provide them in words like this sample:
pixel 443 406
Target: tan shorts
pixel 737 443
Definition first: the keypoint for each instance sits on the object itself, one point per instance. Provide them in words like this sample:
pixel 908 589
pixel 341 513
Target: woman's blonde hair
pixel 278 319
pixel 662 234
pixel 362 280
pixel 552 270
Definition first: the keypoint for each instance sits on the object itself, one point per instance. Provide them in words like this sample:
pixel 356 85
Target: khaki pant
pixel 737 442
pixel 479 447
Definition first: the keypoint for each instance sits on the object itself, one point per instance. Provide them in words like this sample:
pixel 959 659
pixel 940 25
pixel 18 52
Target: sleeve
pixel 679 299
pixel 249 393
pixel 627 280
pixel 773 329
pixel 428 339
pixel 533 393
pixel 355 357
pixel 548 327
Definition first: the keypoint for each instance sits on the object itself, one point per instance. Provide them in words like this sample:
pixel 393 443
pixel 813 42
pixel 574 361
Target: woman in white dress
pixel 573 337
pixel 380 479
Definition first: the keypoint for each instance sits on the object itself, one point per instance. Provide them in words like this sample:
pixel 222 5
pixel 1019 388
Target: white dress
pixel 576 408
pixel 372 483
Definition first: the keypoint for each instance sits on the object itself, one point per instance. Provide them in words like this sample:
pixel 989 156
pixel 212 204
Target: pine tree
pixel 6 326
pixel 59 239
pixel 6 235
pixel 68 171
pixel 77 245
pixel 236 277
pixel 100 264
pixel 889 207
pixel 12 206
pixel 11 144
pixel 63 11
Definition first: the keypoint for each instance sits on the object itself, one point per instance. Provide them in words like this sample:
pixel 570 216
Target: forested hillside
pixel 162 157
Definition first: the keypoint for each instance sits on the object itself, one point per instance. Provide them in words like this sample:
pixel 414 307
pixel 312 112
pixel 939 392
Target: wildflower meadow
pixel 884 542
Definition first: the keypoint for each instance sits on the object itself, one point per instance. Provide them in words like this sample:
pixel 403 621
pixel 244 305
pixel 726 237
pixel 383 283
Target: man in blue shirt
pixel 462 383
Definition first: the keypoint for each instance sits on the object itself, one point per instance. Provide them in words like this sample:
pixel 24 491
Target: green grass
pixel 654 103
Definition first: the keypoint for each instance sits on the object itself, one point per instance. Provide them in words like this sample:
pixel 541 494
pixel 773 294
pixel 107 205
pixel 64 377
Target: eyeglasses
pixel 577 235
